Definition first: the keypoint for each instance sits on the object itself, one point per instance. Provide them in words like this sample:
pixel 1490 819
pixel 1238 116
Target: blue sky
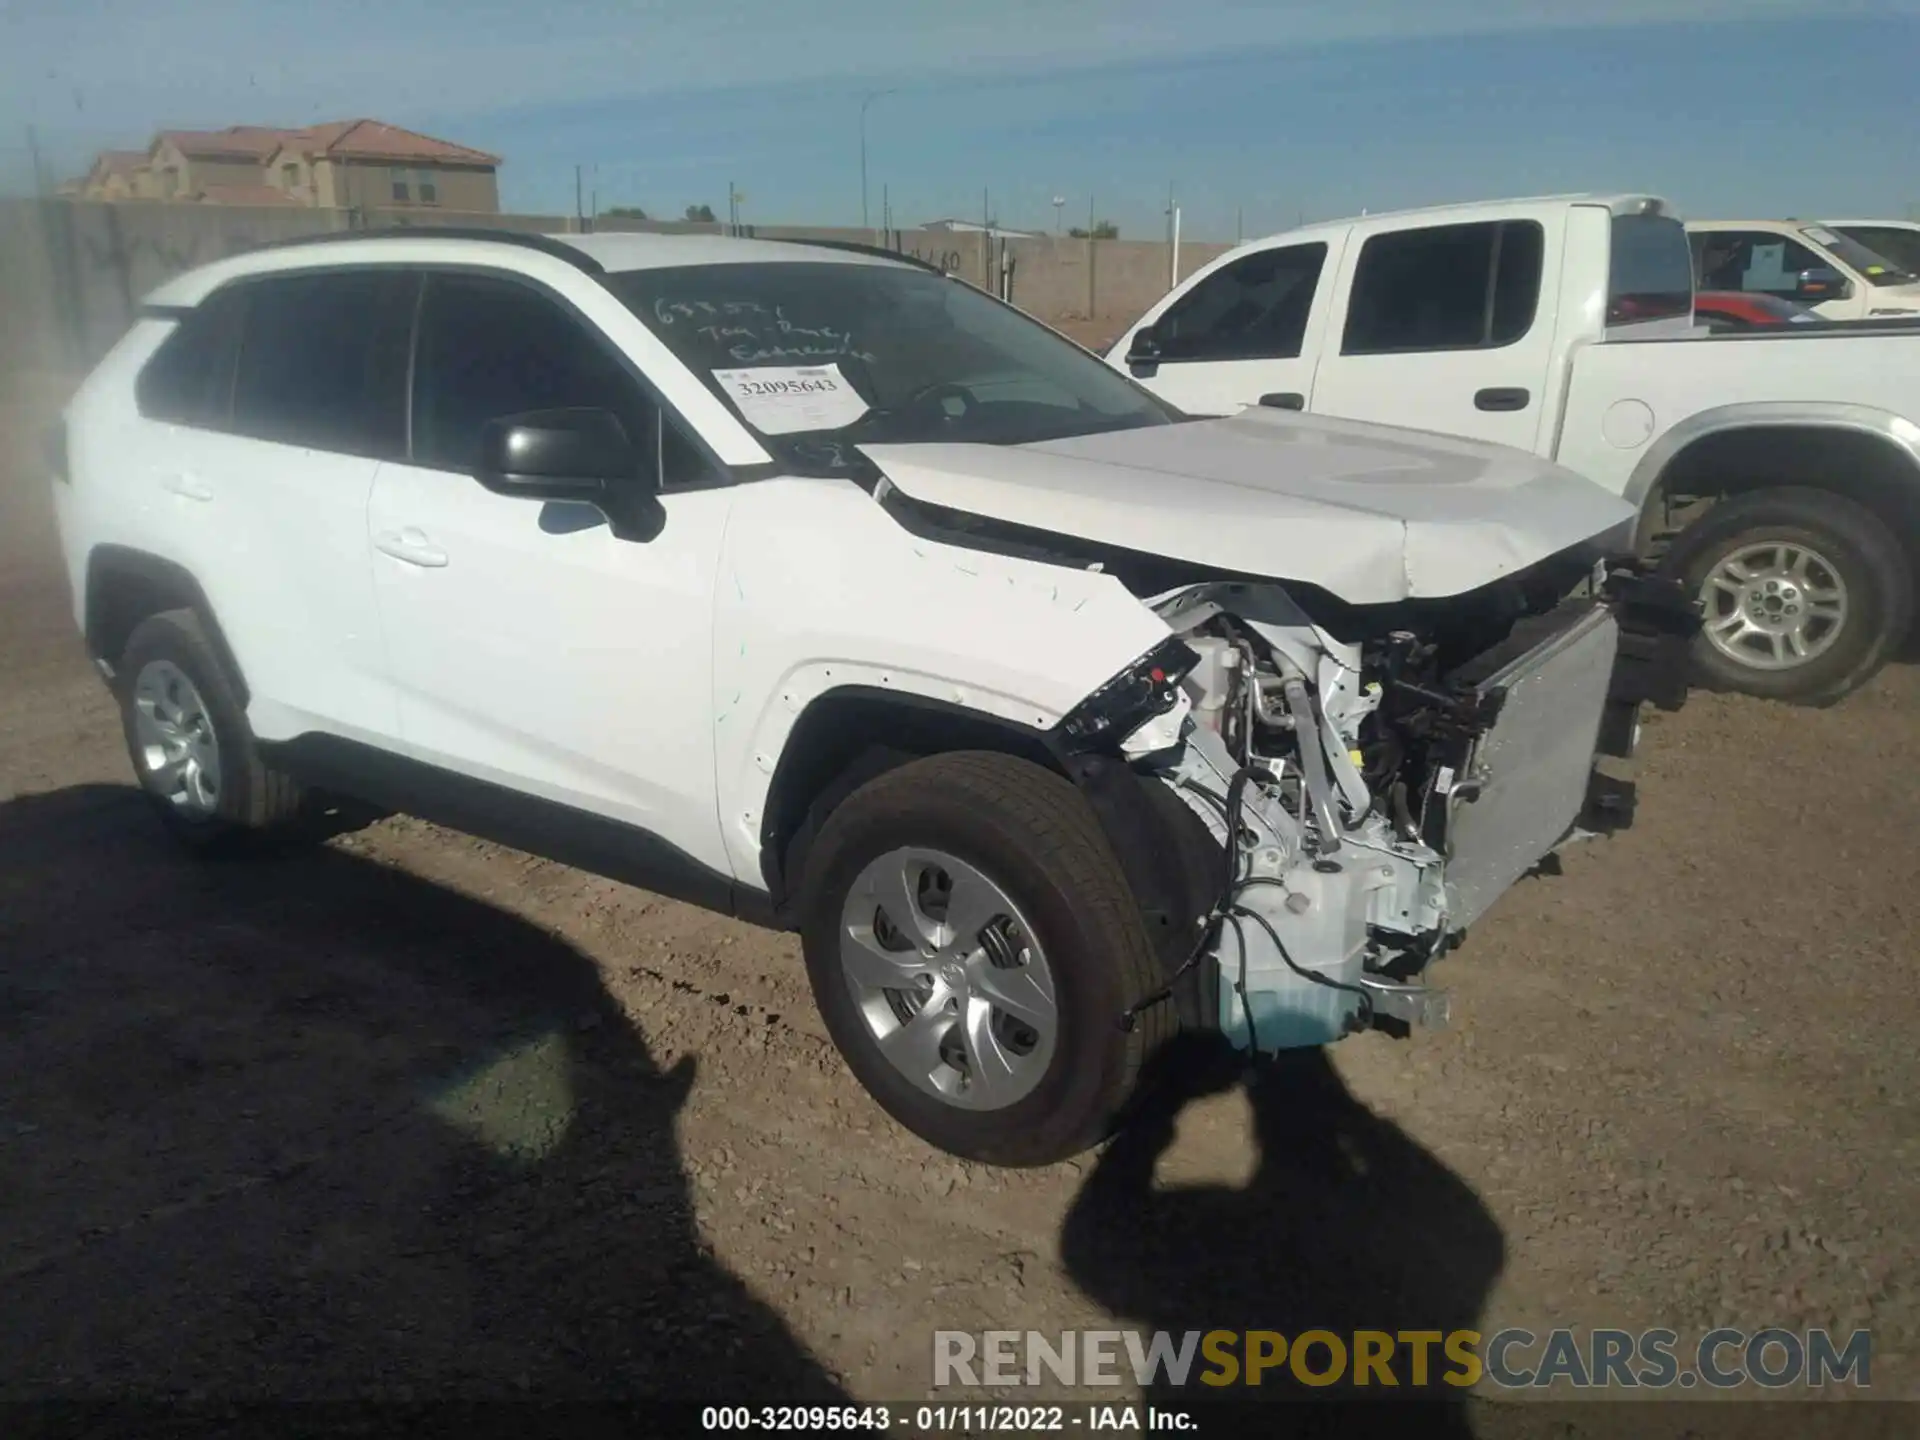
pixel 1257 112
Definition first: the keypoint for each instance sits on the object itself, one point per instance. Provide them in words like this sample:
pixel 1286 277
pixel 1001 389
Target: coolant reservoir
pixel 1210 682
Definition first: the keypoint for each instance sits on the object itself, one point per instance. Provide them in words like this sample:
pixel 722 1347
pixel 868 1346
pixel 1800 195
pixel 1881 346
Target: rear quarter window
pixel 1649 270
pixel 189 379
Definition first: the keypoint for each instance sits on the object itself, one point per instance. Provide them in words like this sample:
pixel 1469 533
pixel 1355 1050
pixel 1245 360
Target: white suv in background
pixel 818 588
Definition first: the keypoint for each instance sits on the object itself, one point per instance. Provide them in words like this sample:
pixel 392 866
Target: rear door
pixel 267 485
pixel 1446 328
pixel 1241 334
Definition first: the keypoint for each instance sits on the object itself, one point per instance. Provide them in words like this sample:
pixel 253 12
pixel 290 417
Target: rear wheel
pixel 973 947
pixel 1805 594
pixel 191 748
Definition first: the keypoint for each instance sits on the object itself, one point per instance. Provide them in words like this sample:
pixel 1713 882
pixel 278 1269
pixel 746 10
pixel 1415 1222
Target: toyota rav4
pixel 811 585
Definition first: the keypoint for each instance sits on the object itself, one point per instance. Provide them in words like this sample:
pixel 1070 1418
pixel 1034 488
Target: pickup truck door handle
pixel 190 487
pixel 1285 400
pixel 411 546
pixel 1501 398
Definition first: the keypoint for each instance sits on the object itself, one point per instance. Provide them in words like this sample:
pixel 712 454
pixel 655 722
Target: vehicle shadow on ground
pixel 308 1126
pixel 1346 1225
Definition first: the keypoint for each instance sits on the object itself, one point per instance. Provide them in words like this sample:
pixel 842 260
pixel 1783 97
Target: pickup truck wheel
pixel 972 945
pixel 190 744
pixel 1805 594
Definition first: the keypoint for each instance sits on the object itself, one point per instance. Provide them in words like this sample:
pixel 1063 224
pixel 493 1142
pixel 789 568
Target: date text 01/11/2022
pixel 946 1419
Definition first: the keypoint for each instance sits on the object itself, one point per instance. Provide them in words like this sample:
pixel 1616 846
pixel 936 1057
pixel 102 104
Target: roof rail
pixel 545 244
pixel 856 248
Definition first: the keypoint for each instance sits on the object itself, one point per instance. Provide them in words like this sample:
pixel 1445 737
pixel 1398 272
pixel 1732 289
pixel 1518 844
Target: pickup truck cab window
pixel 1445 287
pixel 1649 269
pixel 1756 261
pixel 1255 308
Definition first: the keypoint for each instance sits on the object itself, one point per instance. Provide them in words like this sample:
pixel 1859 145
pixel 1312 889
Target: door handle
pixel 411 546
pixel 1501 398
pixel 190 487
pixel 1285 400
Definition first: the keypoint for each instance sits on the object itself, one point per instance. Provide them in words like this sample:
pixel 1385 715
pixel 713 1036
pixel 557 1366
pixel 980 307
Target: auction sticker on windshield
pixel 787 399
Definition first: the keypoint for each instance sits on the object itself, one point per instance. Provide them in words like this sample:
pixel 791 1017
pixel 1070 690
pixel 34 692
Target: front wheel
pixel 1805 594
pixel 973 947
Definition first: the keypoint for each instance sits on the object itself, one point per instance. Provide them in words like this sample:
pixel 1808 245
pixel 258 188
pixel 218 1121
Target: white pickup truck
pixel 1776 473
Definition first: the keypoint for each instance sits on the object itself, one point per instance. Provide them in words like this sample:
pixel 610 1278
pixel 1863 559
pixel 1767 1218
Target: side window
pixel 1756 261
pixel 1253 309
pixel 189 379
pixel 489 348
pixel 323 361
pixel 1446 287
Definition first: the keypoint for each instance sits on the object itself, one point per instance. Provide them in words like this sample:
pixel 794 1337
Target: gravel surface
pixel 408 1114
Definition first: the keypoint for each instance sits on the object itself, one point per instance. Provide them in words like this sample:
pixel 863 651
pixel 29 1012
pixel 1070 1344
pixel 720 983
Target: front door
pixel 1236 336
pixel 531 647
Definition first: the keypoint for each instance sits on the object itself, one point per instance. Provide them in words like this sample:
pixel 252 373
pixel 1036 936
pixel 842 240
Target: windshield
pixel 819 357
pixel 1902 247
pixel 1878 269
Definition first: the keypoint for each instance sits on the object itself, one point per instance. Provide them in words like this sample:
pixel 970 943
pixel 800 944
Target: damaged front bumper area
pixel 1365 808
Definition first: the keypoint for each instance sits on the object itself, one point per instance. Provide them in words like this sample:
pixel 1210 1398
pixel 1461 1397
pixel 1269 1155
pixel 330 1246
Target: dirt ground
pixel 407 1114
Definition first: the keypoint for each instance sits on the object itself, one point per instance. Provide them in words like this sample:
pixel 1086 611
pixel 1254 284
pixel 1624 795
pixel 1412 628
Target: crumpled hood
pixel 1370 513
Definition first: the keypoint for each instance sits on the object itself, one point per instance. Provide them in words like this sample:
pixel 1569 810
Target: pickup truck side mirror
pixel 1813 287
pixel 1145 347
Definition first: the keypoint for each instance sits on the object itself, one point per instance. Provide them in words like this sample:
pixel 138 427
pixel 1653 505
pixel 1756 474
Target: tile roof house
pixel 349 164
pixel 118 175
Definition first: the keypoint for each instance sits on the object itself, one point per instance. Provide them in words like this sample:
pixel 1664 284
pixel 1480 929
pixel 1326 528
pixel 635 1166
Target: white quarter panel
pixel 819 588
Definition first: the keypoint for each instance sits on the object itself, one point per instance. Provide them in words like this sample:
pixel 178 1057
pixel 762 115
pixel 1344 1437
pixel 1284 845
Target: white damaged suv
pixel 807 584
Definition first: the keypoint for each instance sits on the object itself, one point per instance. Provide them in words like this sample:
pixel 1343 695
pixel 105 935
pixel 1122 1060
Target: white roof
pixel 1467 211
pixel 614 253
pixel 1877 224
pixel 1778 226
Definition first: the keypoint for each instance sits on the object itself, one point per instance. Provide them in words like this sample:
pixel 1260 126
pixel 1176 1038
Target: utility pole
pixel 39 172
pixel 1239 224
pixel 579 212
pixel 865 101
pixel 886 215
pixel 1173 239
pixel 986 237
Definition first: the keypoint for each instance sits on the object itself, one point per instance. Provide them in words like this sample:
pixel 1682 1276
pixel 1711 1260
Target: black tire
pixel 1033 835
pixel 253 798
pixel 1864 553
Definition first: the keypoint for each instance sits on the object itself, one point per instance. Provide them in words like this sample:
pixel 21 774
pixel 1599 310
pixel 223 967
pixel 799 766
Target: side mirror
pixel 1145 347
pixel 556 455
pixel 580 457
pixel 1813 287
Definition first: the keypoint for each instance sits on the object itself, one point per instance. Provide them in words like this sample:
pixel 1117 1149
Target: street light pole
pixel 865 101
